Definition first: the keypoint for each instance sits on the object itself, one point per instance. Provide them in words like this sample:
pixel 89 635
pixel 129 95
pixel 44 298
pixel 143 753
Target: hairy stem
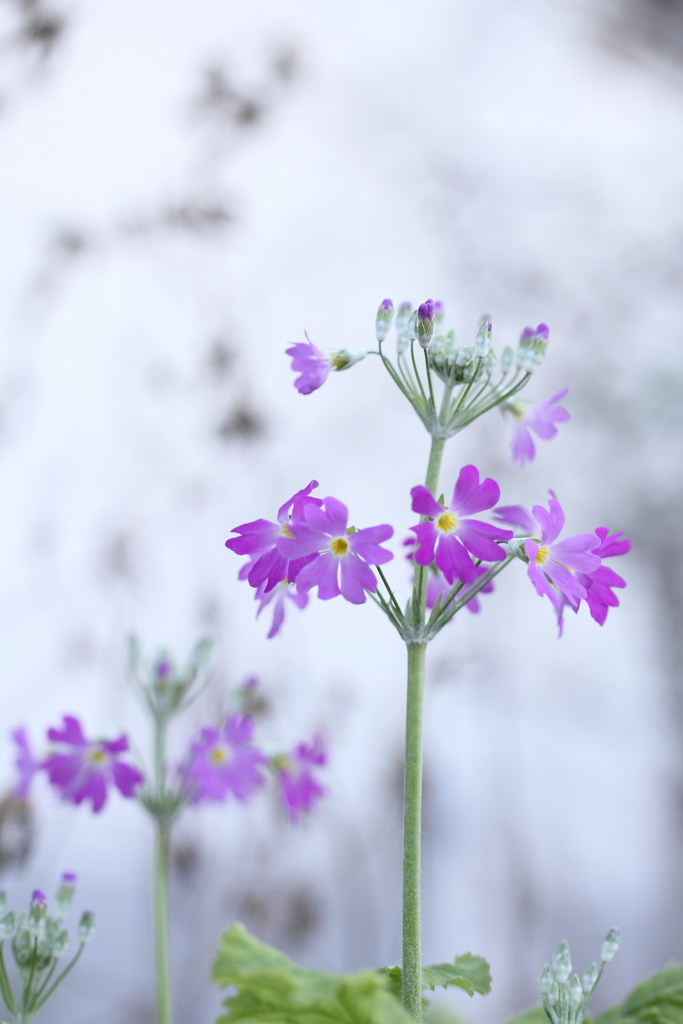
pixel 161 944
pixel 411 992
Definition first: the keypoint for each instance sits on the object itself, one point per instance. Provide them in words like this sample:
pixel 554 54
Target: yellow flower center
pixel 518 409
pixel 446 522
pixel 542 555
pixel 339 546
pixel 98 757
pixel 219 755
pixel 285 531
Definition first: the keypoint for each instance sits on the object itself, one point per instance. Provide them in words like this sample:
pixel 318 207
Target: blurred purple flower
pixel 25 763
pixel 323 532
pixel 541 418
pixel 312 365
pixel 83 769
pixel 437 584
pixel 282 592
pixel 446 538
pixel 223 761
pixel 299 789
pixel 559 562
pixel 600 583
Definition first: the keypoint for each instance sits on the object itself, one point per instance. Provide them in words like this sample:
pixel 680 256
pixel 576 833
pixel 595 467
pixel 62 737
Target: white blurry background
pixel 185 187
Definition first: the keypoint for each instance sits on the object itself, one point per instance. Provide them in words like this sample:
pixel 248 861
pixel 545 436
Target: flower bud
pixel 37 912
pixel 590 978
pixel 554 994
pixel 610 945
pixel 8 924
pixel 531 348
pixel 562 962
pixel 59 944
pixel 86 926
pixel 385 314
pixel 506 358
pixel 575 991
pixel 424 324
pixel 346 357
pixel 545 980
pixel 484 338
pixel 516 547
pixel 439 312
pixel 65 893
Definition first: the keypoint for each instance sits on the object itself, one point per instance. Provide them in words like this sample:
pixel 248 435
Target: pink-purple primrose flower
pixel 224 760
pixel 299 788
pixel 539 418
pixel 567 571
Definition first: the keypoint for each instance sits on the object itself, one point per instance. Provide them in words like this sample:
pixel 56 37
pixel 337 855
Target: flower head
pixel 446 537
pixel 299 789
pixel 262 541
pixel 385 314
pixel 223 761
pixel 602 582
pixel 541 418
pixel 284 591
pixel 344 558
pixel 532 347
pixel 312 365
pixel 424 324
pixel 83 769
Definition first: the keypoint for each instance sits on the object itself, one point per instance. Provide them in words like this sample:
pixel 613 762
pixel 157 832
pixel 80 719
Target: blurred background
pixel 186 187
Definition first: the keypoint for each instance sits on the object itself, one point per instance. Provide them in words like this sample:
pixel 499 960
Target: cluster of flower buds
pixel 39 941
pixel 166 688
pixel 566 1001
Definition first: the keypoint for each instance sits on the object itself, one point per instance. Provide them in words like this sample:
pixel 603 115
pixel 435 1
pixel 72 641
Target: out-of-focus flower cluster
pixel 222 761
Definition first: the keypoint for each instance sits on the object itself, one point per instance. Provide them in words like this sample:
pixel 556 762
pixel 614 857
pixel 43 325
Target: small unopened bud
pixel 439 312
pixel 163 668
pixel 86 926
pixel 575 990
pixel 65 893
pixel 385 314
pixel 562 962
pixel 589 979
pixel 506 358
pixel 545 980
pixel 554 994
pixel 424 324
pixel 8 923
pixel 516 547
pixel 484 338
pixel 37 912
pixel 346 357
pixel 610 945
pixel 60 944
pixel 532 347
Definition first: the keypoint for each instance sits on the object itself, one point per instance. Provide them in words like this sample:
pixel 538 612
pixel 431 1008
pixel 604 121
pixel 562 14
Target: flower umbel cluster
pixel 39 941
pixel 475 379
pixel 566 1001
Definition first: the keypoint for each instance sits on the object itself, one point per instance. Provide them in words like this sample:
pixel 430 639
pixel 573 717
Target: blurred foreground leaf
pixel 468 972
pixel 272 989
pixel 658 1000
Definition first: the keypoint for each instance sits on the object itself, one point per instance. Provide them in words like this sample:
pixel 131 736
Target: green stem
pixel 161 943
pixel 411 991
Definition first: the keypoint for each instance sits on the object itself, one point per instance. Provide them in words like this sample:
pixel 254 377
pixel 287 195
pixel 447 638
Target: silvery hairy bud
pixel 506 358
pixel 545 980
pixel 484 338
pixel 65 893
pixel 575 991
pixel 385 314
pixel 37 912
pixel 8 924
pixel 532 347
pixel 610 945
pixel 405 327
pixel 86 926
pixel 424 324
pixel 562 962
pixel 346 357
pixel 590 978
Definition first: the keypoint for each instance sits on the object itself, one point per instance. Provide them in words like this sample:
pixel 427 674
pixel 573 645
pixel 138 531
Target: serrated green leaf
pixel 658 1000
pixel 272 989
pixel 468 972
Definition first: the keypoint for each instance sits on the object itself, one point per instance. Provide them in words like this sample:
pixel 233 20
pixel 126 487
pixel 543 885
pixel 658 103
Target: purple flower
pixel 299 789
pixel 600 583
pixel 516 516
pixel 349 555
pixel 425 311
pixel 83 769
pixel 25 763
pixel 223 761
pixel 535 332
pixel 541 418
pixel 38 896
pixel 312 365
pixel 283 591
pixel 446 538
pixel 262 541
pixel 559 562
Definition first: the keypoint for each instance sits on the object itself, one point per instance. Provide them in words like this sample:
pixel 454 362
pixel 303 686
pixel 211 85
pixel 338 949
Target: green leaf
pixel 272 989
pixel 468 972
pixel 658 1000
pixel 535 1015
